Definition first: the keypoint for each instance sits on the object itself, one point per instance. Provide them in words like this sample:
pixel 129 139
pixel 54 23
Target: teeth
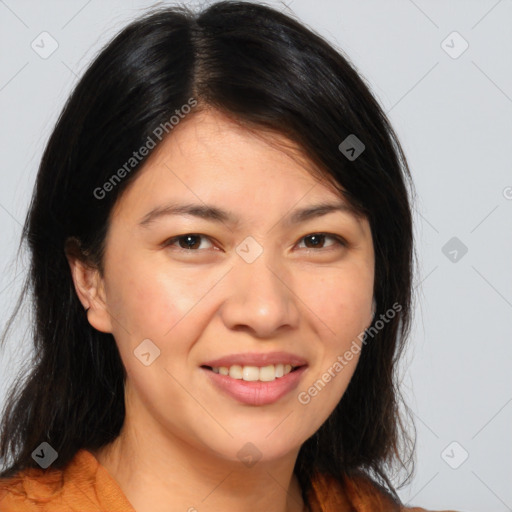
pixel 267 373
pixel 254 373
pixel 235 372
pixel 250 373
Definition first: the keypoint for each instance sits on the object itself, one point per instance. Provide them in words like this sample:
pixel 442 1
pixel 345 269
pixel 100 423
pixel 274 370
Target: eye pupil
pixel 187 238
pixel 316 239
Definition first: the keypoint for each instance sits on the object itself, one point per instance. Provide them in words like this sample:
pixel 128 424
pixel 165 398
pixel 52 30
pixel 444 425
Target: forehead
pixel 210 158
pixel 211 142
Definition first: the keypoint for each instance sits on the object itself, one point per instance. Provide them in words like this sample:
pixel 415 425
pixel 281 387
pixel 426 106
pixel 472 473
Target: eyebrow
pixel 216 214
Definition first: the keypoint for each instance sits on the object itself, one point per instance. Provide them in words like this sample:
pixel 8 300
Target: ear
pixel 90 288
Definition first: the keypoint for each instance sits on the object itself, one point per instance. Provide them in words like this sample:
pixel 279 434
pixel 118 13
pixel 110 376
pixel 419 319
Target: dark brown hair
pixel 268 71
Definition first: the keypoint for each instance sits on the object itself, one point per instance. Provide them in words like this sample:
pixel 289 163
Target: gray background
pixel 454 118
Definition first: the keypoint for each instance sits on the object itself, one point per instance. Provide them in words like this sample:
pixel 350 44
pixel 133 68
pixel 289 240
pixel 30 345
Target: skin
pixel 177 450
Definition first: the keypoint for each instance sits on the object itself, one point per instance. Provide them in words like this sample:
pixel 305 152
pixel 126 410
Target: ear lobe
pixel 90 289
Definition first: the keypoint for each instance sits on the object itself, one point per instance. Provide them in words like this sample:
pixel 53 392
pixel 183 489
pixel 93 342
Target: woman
pixel 221 243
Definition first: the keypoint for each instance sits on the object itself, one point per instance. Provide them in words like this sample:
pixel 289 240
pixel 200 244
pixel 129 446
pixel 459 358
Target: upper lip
pixel 255 359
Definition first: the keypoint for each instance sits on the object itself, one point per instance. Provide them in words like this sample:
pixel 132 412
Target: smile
pixel 255 373
pixel 256 392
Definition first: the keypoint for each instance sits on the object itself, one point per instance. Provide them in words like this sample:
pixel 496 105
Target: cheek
pixel 143 301
pixel 342 306
pixel 154 301
pixel 341 301
pixel 325 387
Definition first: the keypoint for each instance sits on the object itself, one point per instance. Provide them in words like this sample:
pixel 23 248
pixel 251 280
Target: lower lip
pixel 256 392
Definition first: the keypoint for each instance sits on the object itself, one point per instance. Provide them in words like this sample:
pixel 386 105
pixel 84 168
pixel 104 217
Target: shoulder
pixel 355 493
pixel 29 488
pixel 83 484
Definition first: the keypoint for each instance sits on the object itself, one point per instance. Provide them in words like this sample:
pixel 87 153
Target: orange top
pixel 85 485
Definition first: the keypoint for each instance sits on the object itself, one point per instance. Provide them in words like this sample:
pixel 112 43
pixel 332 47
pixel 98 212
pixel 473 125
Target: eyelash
pixel 338 239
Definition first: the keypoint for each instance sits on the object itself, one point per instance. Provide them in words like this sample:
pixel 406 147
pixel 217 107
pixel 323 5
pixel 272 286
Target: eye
pixel 190 241
pixel 317 240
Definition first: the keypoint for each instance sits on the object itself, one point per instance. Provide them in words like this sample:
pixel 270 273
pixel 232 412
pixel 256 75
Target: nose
pixel 260 298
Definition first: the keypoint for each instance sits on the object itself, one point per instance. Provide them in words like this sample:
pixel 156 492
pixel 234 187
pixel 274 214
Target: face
pixel 242 285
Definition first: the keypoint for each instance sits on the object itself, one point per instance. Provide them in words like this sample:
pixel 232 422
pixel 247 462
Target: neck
pixel 161 474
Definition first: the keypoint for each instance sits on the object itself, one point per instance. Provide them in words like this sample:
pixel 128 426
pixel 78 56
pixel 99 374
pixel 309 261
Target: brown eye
pixel 317 240
pixel 188 242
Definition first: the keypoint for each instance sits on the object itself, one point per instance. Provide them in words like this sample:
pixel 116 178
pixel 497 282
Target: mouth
pixel 251 373
pixel 256 379
pixel 253 385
